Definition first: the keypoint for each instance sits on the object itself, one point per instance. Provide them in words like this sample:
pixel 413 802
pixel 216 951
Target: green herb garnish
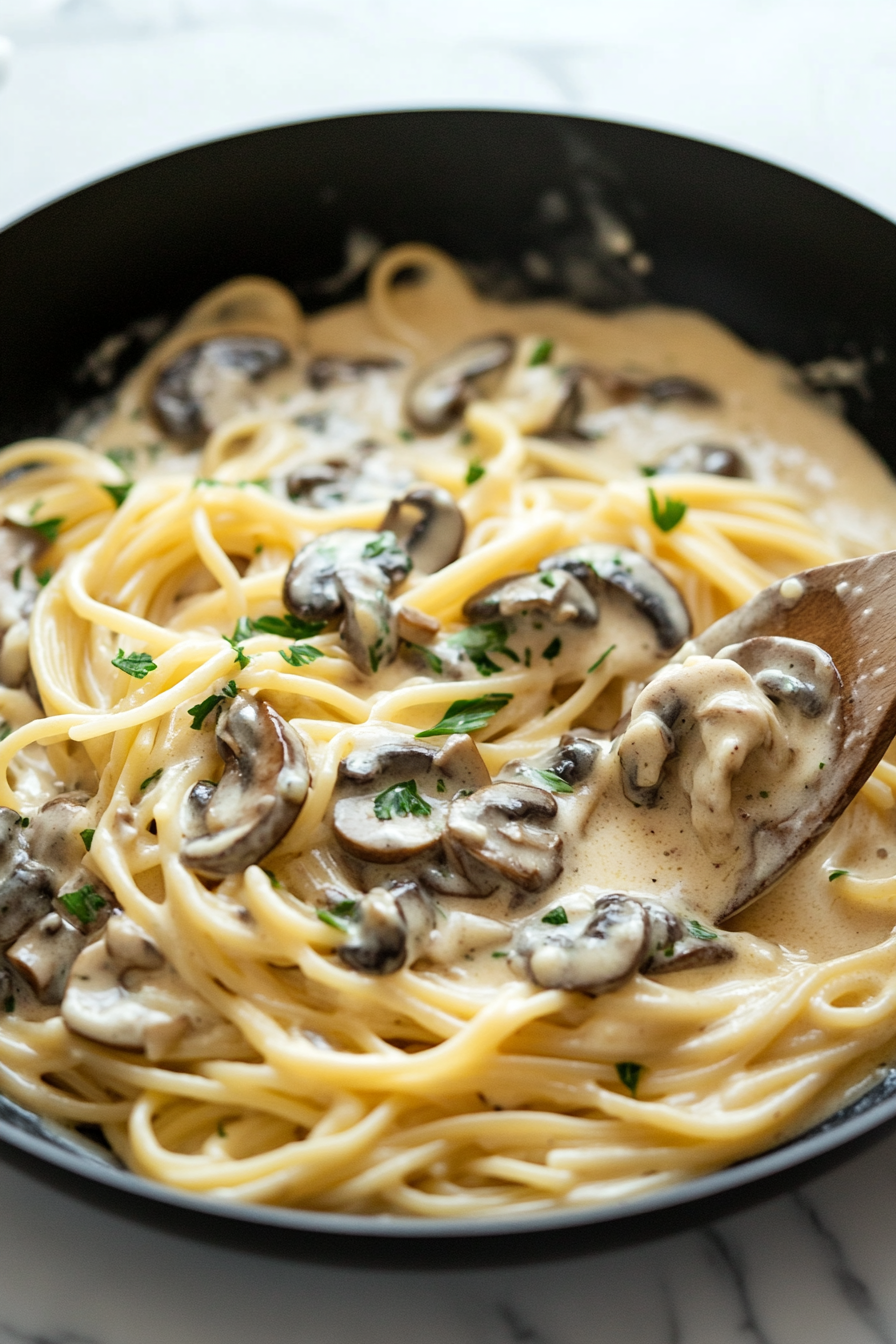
pixel 500 954
pixel 333 920
pixel 478 641
pixel 199 713
pixel 554 782
pixel 299 655
pixel 475 472
pixel 838 872
pixel 136 665
pixel 150 779
pixel 286 627
pixel 87 837
pixel 606 653
pixel 122 457
pixel 552 649
pixel 5 730
pixel 648 471
pixel 16 576
pixel 555 916
pixel 119 493
pixel 85 903
pixel 669 515
pixel 345 908
pixel 44 577
pixel 240 657
pixel 698 930
pixel 407 434
pixel 466 716
pixel 401 800
pixel 384 542
pixel 272 878
pixel 763 793
pixel 48 529
pixel 542 352
pixel 629 1075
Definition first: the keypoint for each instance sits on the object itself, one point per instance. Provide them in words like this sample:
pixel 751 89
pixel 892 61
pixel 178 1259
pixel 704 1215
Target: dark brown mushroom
pixel 792 673
pixel 438 396
pixel 505 828
pixel 389 827
pixel 26 887
pixel 183 387
pixel 360 474
pixel 593 956
pixel 427 523
pixel 325 370
pixel 708 459
pixel 553 594
pixel 45 953
pixel 675 387
pixel 388 929
pixel 266 778
pixel 596 564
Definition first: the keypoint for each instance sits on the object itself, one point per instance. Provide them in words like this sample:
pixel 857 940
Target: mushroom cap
pixel 180 389
pixel 428 524
pixel 311 590
pixel 265 782
pixel 596 563
pixel 392 839
pixel 437 397
pixel 710 459
pixel 791 672
pixel 592 956
pixel 44 955
pixel 26 887
pixel 505 827
pixel 555 594
pixel 389 929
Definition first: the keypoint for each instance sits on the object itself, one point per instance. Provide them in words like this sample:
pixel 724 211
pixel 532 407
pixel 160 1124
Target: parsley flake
pixel 606 653
pixel 199 713
pixel 48 529
pixel 629 1075
pixel 554 781
pixel 466 716
pixel 669 515
pixel 838 872
pixel 555 916
pixel 475 472
pixel 542 352
pixel 299 655
pixel 150 779
pixel 401 800
pixel 87 837
pixel 698 930
pixel 5 730
pixel 286 627
pixel 136 665
pixel 119 493
pixel 240 657
pixel 44 577
pixel 478 641
pixel 334 921
pixel 552 649
pixel 85 903
pixel 272 878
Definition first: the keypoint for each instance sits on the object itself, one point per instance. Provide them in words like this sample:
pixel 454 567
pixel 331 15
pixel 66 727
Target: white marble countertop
pixel 87 86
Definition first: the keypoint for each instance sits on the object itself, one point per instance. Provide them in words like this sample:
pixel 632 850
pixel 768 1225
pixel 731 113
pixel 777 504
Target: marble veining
pixel 89 85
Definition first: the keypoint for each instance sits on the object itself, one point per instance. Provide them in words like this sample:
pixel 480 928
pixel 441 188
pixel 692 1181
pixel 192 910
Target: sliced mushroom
pixel 26 887
pixel 265 782
pixel 792 673
pixel 675 387
pixel 369 629
pixel 438 396
pixel 54 838
pixel 326 370
pixel 648 588
pixel 554 594
pixel 403 827
pixel 676 945
pixel 357 475
pixel 709 459
pixel 389 929
pixel 574 757
pixel 505 829
pixel 44 955
pixel 593 956
pixel 428 524
pixel 185 387
pixel 397 758
pixel 416 627
pixel 122 993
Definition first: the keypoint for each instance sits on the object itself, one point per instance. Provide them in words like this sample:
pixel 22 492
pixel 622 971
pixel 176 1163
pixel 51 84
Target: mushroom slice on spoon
pixel 233 824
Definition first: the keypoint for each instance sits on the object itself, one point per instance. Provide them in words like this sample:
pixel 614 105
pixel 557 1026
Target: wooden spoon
pixel 849 610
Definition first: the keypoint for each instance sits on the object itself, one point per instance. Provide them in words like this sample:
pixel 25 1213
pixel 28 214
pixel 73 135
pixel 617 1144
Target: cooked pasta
pixel 321 640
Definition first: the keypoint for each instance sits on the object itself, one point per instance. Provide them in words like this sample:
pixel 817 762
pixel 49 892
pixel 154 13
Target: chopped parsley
pixel 542 352
pixel 629 1075
pixel 648 471
pixel 552 649
pixel 299 655
pixel 547 580
pixel 838 872
pixel 478 641
pixel 272 878
pixel 606 653
pixel 334 921
pixel 668 515
pixel 432 660
pixel 136 665
pixel 48 529
pixel 229 689
pixel 16 576
pixel 345 908
pixel 44 577
pixel 407 434
pixel 500 954
pixel 384 542
pixel 401 800
pixel 466 716
pixel 475 472
pixel 440 786
pixel 199 713
pixel 119 493
pixel 5 730
pixel 555 916
pixel 240 657
pixel 554 781
pixel 85 903
pixel 150 779
pixel 763 793
pixel 286 627
pixel 698 930
pixel 87 837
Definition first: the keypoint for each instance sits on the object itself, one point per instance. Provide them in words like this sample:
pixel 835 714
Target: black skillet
pixel 537 206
